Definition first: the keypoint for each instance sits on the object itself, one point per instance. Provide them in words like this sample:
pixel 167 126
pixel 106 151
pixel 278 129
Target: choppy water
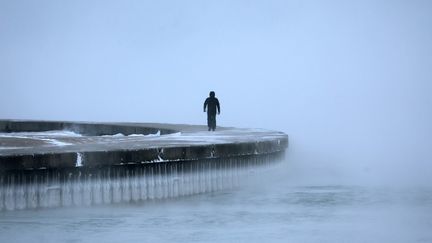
pixel 271 208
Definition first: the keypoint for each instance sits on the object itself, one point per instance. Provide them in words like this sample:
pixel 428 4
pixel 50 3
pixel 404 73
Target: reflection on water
pixel 270 209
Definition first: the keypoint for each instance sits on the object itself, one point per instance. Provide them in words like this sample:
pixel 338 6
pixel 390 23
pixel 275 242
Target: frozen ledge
pixel 29 145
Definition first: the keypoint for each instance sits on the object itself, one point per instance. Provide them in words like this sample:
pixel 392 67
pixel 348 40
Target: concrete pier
pixel 54 163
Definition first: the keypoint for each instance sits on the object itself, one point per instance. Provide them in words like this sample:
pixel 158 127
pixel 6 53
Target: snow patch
pixel 53 133
pixel 134 135
pixel 56 142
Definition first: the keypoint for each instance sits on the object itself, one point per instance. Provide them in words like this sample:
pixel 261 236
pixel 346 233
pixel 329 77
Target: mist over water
pixel 281 204
pixel 348 82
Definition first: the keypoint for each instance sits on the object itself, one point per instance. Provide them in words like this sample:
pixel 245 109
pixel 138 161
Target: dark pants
pixel 211 121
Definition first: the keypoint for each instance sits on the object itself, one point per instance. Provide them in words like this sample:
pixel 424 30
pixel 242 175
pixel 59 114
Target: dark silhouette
pixel 211 103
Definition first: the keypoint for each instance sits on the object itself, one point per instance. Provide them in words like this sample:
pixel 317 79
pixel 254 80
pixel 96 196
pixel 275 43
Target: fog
pixel 348 81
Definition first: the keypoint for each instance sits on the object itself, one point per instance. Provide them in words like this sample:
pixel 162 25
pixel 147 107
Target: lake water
pixel 282 204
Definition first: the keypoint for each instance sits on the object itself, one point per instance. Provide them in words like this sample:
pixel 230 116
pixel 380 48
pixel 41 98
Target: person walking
pixel 211 104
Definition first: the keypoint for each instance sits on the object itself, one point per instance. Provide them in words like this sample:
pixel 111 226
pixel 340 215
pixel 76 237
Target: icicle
pixel 158 180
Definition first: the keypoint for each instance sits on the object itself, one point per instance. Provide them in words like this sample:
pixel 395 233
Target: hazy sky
pixel 349 81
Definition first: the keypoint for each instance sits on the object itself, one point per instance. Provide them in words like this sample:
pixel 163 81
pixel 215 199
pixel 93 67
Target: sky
pixel 348 81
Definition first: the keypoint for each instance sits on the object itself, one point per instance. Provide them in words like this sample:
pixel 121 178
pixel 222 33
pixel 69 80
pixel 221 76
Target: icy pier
pixel 55 164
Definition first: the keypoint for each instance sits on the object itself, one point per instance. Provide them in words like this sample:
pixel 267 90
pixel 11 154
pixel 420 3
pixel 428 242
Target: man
pixel 211 103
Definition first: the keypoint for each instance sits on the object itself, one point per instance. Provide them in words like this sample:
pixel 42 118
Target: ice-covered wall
pixel 124 184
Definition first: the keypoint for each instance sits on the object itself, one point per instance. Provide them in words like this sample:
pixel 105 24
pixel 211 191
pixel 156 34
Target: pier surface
pixel 29 145
pixel 46 164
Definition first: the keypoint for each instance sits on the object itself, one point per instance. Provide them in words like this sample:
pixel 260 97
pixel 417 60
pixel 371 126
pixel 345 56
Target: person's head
pixel 212 94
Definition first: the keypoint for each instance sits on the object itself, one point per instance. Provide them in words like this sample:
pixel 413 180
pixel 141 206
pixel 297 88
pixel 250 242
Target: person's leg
pixel 209 123
pixel 212 121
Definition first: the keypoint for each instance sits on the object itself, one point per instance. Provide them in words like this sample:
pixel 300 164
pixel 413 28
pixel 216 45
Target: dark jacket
pixel 212 103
